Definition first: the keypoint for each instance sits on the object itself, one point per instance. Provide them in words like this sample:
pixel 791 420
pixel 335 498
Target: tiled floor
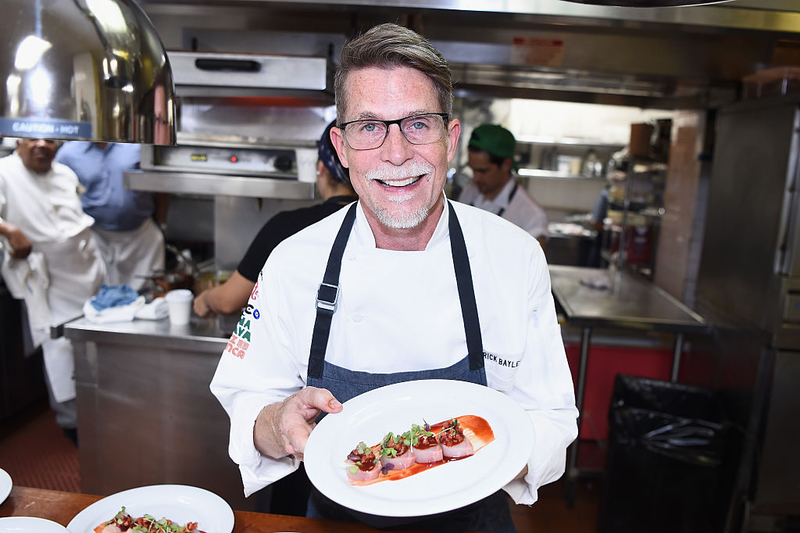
pixel 34 451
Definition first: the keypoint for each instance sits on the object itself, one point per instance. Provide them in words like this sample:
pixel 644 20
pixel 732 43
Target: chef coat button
pixel 358 318
pixel 351 256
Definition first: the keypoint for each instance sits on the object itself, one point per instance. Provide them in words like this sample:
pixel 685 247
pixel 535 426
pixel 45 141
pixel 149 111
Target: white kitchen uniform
pixel 47 209
pixel 131 256
pixel 516 206
pixel 399 311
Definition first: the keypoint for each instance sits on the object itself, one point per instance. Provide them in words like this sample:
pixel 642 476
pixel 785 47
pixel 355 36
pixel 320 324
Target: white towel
pixel 120 313
pixel 27 280
pixel 156 310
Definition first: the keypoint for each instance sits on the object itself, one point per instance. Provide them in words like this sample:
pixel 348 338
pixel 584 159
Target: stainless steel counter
pixel 146 415
pixel 201 334
pixel 629 302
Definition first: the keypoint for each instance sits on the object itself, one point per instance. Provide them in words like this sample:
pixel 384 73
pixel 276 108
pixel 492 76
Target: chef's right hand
pixel 283 428
pixel 20 245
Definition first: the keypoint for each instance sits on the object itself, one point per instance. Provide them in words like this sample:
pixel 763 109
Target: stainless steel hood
pixel 83 69
pixel 666 57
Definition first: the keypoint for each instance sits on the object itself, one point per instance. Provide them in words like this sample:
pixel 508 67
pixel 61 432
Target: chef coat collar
pixel 362 232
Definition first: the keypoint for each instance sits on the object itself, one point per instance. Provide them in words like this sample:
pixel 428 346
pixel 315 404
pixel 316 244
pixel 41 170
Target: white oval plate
pixel 5 485
pixel 370 416
pixel 179 503
pixel 28 524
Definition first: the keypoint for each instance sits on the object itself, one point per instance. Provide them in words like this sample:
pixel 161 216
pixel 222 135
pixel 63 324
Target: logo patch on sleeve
pixel 240 339
pixel 254 293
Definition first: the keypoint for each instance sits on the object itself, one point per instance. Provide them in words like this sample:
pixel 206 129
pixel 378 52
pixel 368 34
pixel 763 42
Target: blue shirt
pixel 113 207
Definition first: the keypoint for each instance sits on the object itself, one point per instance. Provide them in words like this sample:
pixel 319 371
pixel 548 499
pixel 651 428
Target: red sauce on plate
pixel 475 428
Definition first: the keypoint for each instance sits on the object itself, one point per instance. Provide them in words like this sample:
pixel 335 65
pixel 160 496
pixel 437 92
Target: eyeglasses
pixel 370 134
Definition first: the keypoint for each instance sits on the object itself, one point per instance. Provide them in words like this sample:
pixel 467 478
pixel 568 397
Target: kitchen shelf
pixel 569 141
pixel 553 174
pixel 219 185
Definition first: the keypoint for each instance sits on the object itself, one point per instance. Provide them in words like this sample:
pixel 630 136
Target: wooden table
pixel 62 507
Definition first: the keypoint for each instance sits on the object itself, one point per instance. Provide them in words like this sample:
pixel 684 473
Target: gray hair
pixel 390 46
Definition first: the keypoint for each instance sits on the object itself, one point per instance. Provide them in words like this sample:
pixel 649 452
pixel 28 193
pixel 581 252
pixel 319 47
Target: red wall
pixel 605 362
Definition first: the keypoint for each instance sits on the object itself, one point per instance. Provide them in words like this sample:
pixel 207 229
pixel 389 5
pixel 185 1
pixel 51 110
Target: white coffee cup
pixel 180 306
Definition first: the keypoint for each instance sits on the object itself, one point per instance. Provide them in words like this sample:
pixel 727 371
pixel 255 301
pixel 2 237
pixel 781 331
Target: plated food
pixel 123 522
pixel 181 504
pixel 454 484
pixel 420 448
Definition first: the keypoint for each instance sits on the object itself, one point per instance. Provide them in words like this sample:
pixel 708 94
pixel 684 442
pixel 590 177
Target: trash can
pixel 666 446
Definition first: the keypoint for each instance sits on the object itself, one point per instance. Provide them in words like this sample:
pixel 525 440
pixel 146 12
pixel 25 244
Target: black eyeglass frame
pixel 445 119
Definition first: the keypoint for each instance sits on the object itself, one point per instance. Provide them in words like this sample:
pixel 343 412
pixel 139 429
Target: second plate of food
pixel 395 408
pixel 179 503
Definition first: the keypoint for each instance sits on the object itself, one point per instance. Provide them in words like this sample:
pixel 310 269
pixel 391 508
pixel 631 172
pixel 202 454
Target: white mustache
pixel 392 173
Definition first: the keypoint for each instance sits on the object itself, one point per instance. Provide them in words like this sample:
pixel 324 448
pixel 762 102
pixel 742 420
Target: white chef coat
pixel 47 209
pixel 131 256
pixel 521 210
pixel 399 311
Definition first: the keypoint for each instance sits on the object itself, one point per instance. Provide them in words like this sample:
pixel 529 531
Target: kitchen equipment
pixel 213 167
pixel 749 282
pixel 223 74
pixel 93 70
pixel 161 283
pixel 249 126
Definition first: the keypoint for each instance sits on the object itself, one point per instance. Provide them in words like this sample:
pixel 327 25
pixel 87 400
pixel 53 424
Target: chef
pixel 402 285
pixel 49 250
pixel 130 242
pixel 494 188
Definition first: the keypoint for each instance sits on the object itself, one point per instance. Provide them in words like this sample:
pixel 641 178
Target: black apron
pixel 510 197
pixel 490 514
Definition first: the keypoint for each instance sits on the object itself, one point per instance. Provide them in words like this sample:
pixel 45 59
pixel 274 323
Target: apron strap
pixel 510 197
pixel 328 295
pixel 466 292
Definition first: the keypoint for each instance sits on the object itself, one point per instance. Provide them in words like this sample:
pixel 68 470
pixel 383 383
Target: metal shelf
pixel 219 185
pixel 553 174
pixel 569 141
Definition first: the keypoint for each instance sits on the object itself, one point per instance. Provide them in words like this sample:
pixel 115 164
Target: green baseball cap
pixel 496 140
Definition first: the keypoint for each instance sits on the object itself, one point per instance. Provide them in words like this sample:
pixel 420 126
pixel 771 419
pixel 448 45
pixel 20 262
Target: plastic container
pixel 180 306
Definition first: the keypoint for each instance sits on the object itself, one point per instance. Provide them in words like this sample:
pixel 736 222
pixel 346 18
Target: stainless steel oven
pixel 247 132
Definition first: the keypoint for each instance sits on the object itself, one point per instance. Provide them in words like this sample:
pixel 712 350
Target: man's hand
pixel 201 305
pixel 20 245
pixel 283 428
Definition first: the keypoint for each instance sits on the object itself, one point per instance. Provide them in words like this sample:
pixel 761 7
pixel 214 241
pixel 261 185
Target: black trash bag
pixel 667 442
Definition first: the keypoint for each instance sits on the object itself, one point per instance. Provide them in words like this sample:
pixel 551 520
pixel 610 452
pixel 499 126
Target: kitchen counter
pixel 62 507
pixel 617 300
pixel 146 413
pixel 200 333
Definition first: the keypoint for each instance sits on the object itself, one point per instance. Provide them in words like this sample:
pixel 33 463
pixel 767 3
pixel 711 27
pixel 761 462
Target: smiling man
pixel 408 286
